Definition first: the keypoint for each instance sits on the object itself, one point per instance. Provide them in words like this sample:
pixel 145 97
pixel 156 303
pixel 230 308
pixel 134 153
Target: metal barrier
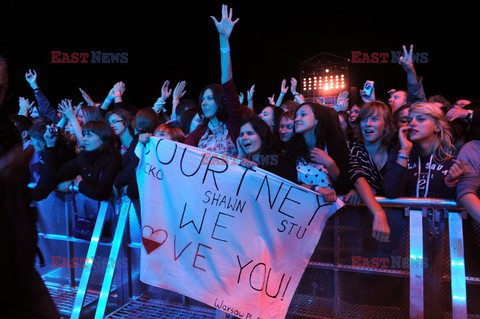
pixel 425 276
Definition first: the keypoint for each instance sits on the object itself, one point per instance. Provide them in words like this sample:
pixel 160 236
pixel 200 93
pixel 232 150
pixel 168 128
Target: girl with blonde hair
pixel 423 164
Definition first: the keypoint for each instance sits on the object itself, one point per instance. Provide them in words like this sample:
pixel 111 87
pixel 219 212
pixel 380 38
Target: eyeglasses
pixel 113 122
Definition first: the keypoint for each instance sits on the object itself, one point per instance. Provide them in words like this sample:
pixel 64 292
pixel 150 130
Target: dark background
pixel 178 41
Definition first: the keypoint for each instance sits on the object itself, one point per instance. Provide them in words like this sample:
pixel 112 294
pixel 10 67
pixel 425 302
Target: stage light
pixel 324 68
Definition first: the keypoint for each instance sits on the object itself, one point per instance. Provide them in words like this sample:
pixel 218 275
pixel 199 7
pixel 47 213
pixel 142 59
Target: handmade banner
pixel 236 239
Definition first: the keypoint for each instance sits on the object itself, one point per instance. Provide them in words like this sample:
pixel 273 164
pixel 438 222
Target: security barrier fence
pixel 350 274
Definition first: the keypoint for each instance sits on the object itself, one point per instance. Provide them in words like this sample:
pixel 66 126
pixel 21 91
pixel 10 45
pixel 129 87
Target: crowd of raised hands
pixel 352 144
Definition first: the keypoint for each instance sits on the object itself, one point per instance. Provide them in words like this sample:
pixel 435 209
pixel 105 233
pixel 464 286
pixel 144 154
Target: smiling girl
pixel 368 161
pixel 320 151
pixel 256 147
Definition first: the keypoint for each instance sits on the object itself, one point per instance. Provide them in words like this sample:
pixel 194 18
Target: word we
pixel 92 57
pixel 384 57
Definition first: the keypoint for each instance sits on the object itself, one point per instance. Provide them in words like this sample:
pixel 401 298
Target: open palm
pixel 225 26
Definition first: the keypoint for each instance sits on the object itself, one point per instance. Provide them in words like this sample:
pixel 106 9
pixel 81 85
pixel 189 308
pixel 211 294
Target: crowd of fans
pixel 411 146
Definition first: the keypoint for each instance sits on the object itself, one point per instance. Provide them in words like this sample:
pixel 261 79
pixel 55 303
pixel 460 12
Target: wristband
pixel 225 50
pixel 73 188
pixel 403 156
pixel 281 93
pixel 296 94
pixel 317 188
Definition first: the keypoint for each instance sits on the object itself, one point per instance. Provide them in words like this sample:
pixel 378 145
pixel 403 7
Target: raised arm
pixel 44 107
pixel 65 107
pixel 298 97
pixel 224 28
pixel 87 98
pixel 415 92
pixel 250 97
pixel 24 106
pixel 108 100
pixel 178 93
pixel 283 91
pixel 159 105
pixel 342 102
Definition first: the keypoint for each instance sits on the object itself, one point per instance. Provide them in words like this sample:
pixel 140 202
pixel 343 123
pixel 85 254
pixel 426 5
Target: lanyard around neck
pixel 427 186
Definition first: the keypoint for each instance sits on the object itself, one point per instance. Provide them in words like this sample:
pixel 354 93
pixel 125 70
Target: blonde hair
pixel 443 144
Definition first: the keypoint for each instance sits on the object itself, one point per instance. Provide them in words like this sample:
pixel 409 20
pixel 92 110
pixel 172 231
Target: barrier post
pixel 110 271
pixel 92 250
pixel 457 266
pixel 416 272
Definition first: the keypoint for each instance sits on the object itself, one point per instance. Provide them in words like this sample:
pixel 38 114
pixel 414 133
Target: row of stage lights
pixel 326 83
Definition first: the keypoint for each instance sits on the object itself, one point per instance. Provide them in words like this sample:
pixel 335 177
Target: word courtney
pixel 384 57
pixel 92 57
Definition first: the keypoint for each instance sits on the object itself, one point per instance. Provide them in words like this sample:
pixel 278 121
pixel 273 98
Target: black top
pixel 403 181
pixel 98 171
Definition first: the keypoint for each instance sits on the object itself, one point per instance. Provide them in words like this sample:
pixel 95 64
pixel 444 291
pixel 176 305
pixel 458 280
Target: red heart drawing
pixel 153 239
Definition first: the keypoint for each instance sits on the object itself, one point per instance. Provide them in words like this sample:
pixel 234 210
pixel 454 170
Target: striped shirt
pixel 362 165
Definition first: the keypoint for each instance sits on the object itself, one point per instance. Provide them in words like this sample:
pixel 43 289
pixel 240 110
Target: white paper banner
pixel 235 239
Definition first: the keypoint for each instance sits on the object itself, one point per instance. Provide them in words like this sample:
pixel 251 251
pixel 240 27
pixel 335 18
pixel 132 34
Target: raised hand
pixel 179 91
pixel 342 102
pixel 87 98
pixel 250 93
pixel 406 60
pixel 25 106
pixel 118 88
pixel 293 86
pixel 284 87
pixel 271 99
pixel 65 107
pixel 225 26
pixel 166 91
pixel 456 113
pixel 31 77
